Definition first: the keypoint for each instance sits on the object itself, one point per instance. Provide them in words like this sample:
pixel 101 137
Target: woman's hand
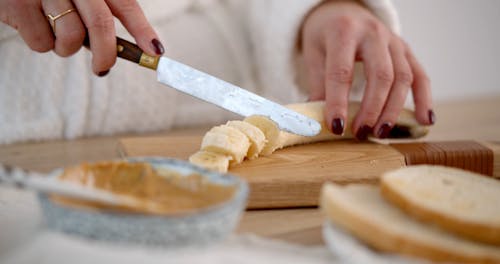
pixel 29 18
pixel 334 36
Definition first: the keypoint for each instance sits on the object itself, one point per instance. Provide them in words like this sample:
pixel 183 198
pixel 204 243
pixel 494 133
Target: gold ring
pixel 52 19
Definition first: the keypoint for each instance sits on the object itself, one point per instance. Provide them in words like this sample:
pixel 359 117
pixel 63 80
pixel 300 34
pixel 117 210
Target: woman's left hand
pixel 337 34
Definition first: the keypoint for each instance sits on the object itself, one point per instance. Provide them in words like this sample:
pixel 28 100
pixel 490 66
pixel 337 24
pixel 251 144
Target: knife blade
pixel 216 91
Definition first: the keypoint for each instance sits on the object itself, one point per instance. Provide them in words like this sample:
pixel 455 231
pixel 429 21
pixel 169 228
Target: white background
pixel 458 42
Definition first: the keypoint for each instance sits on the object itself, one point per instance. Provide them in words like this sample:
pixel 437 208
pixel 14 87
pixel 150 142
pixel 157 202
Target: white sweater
pixel 248 43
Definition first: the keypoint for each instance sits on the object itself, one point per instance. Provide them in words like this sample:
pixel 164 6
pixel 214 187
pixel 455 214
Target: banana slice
pixel 254 134
pixel 270 130
pixel 226 140
pixel 211 160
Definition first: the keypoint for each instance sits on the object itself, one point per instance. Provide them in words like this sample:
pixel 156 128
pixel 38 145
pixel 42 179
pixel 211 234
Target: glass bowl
pixel 201 227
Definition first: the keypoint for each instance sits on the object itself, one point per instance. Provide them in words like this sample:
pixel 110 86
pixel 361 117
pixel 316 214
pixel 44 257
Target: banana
pixel 226 140
pixel 229 144
pixel 254 134
pixel 211 160
pixel 270 130
pixel 406 126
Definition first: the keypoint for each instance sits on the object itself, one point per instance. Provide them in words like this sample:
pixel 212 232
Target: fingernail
pixel 158 47
pixel 432 117
pixel 384 130
pixel 363 132
pixel 338 126
pixel 103 73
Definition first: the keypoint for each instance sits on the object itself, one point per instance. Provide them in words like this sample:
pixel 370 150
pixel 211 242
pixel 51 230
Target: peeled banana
pixel 230 144
pixel 406 126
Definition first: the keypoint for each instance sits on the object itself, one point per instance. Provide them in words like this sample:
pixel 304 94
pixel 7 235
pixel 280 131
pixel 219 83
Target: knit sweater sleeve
pixel 274 26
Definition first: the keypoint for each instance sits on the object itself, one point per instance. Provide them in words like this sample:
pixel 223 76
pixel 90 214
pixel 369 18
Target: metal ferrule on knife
pixel 148 61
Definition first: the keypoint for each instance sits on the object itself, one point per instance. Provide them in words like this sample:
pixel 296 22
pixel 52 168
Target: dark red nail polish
pixel 384 130
pixel 103 73
pixel 338 126
pixel 158 47
pixel 363 132
pixel 432 117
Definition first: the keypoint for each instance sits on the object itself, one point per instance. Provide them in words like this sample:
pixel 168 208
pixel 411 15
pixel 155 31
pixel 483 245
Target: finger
pixel 314 60
pixel 340 55
pixel 403 78
pixel 380 75
pixel 131 15
pixel 421 89
pixel 33 26
pixel 68 29
pixel 99 22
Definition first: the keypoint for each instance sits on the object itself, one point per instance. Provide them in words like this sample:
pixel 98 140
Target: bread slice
pixel 462 202
pixel 362 211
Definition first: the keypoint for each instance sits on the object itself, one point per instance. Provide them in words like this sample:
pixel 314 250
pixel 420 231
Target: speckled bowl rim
pixel 241 194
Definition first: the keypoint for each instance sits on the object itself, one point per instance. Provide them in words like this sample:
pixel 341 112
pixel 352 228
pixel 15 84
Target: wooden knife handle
pixel 131 52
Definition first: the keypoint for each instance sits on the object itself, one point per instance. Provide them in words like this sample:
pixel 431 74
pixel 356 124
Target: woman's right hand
pixel 30 19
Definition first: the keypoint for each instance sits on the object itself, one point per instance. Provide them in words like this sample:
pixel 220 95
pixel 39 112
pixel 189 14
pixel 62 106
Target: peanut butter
pixel 170 192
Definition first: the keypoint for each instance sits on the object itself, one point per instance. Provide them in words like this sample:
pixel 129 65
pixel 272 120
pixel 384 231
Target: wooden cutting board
pixel 293 177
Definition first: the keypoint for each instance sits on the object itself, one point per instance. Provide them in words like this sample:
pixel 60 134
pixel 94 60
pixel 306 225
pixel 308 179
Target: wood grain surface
pixel 290 177
pixel 495 147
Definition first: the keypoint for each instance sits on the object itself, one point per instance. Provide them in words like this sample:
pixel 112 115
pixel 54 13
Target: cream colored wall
pixel 458 42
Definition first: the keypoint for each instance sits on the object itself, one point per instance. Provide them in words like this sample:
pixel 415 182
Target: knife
pixel 216 91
